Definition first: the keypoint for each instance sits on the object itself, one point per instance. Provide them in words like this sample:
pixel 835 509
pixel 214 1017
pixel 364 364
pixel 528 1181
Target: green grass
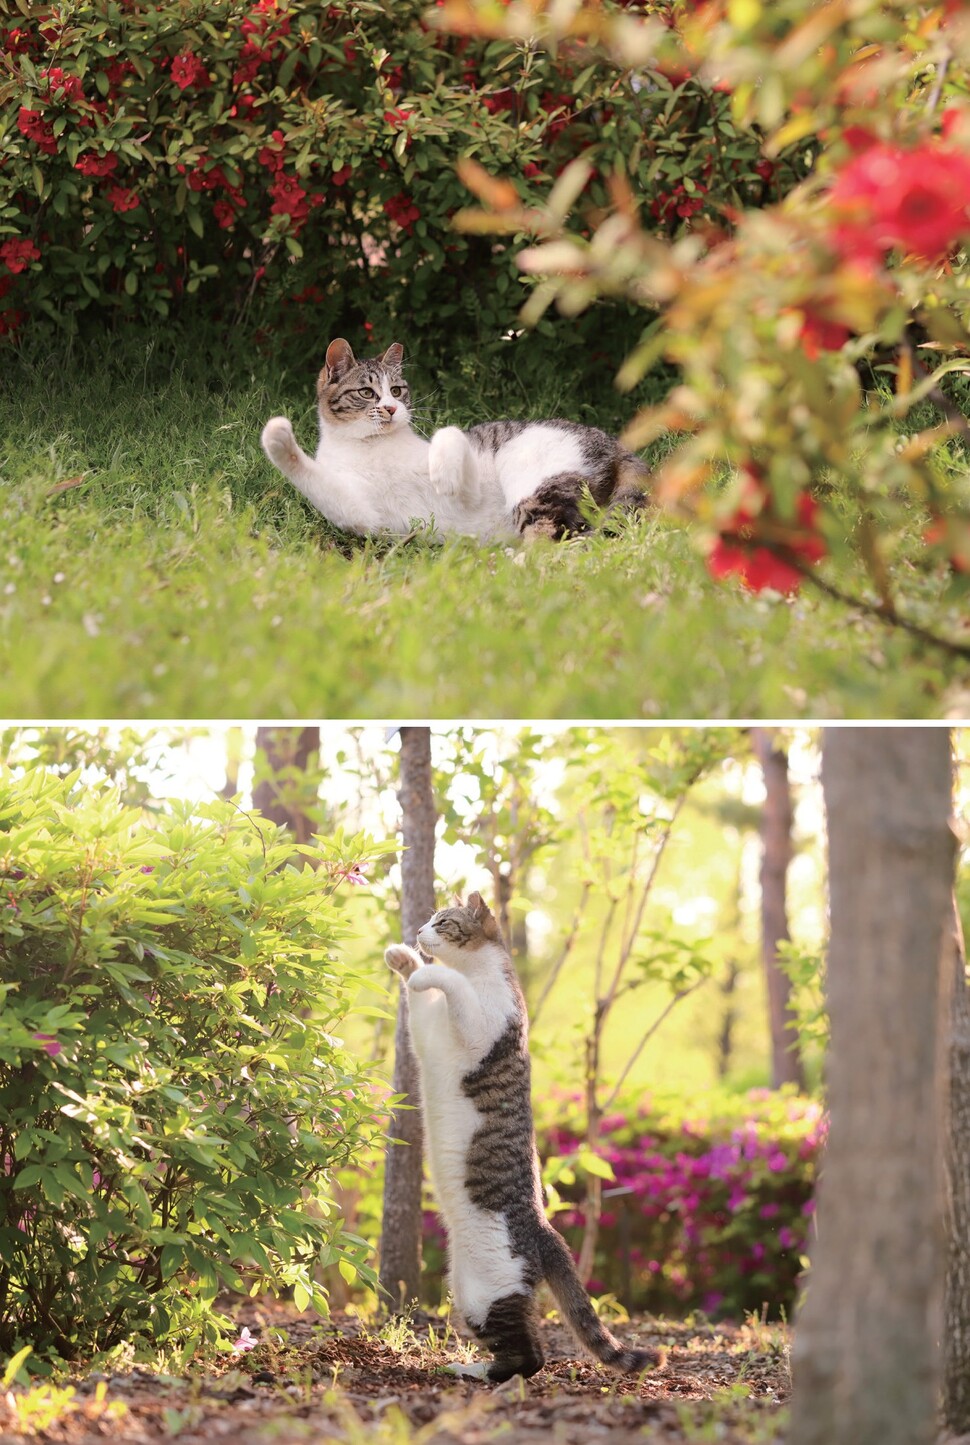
pixel 183 577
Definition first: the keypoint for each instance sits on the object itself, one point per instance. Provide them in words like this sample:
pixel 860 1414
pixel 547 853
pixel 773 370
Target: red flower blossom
pixel 738 552
pixel 122 198
pixel 17 254
pixel 678 202
pixel 200 179
pixel 341 177
pixel 397 118
pixel 92 164
pixel 501 100
pixel 188 69
pixel 16 42
pixel 116 70
pixel 531 171
pixel 401 208
pixel 273 157
pixel 887 198
pixel 819 334
pixel 71 86
pixel 289 199
pixel 33 125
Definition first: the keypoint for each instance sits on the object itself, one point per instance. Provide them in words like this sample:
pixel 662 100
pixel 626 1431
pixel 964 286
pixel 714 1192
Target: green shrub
pixel 264 158
pixel 172 1096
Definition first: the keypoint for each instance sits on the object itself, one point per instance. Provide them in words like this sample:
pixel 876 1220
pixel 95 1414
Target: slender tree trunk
pixel 400 1267
pixel 776 854
pixel 729 1013
pixel 865 1354
pixel 234 749
pixel 956 1308
pixel 278 794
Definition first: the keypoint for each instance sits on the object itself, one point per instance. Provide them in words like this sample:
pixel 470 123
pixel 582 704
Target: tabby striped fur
pixel 469 1027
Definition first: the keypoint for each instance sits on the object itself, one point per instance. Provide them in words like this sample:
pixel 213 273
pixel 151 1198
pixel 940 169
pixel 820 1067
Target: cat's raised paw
pixel 279 443
pixel 402 959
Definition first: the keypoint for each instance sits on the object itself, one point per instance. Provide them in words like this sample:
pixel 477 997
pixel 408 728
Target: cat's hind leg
pixel 452 466
pixel 558 506
pixel 510 1330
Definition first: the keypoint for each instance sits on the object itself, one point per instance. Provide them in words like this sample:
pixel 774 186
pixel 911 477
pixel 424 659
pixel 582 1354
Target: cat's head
pixel 454 934
pixel 365 398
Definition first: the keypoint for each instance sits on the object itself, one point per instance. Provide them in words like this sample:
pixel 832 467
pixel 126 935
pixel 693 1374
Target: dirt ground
pixel 350 1381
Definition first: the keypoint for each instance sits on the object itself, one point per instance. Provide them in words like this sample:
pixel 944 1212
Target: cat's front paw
pixel 279 443
pixel 448 461
pixel 402 959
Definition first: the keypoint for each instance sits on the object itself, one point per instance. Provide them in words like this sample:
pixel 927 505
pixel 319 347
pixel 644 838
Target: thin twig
pixel 682 994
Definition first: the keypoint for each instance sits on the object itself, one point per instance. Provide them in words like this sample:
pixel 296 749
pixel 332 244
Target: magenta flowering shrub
pixel 172 1097
pixel 706 1211
pixel 252 158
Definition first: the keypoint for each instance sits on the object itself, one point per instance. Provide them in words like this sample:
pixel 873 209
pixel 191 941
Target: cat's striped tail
pixel 560 1273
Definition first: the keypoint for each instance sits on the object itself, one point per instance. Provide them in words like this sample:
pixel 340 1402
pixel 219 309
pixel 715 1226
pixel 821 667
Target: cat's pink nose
pixel 390 408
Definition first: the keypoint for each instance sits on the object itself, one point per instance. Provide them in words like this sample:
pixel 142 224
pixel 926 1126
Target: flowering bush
pixel 252 154
pixel 172 1098
pixel 705 1212
pixel 776 318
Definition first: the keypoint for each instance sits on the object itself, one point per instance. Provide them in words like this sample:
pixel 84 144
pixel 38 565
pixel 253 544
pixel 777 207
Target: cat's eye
pixel 366 391
pixel 396 390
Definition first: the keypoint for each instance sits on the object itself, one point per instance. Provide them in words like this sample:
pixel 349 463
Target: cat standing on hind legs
pixel 470 1032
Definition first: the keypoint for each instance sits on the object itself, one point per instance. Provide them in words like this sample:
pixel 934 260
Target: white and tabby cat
pixel 373 473
pixel 470 1032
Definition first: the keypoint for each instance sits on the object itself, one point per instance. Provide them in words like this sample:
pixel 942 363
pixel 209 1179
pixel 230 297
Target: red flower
pixel 916 201
pixel 273 156
pixel 122 198
pixel 531 171
pixel 17 254
pixel 401 208
pixel 819 334
pixel 32 124
pixel 199 179
pixel 16 42
pixel 737 551
pixel 397 119
pixel 188 69
pixel 341 177
pixel 678 202
pixel 71 85
pixel 289 199
pixel 116 70
pixel 94 165
pixel 765 169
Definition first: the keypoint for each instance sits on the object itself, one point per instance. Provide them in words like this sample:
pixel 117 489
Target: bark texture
pixel 280 793
pixel 776 855
pixel 400 1267
pixel 865 1357
pixel 956 1313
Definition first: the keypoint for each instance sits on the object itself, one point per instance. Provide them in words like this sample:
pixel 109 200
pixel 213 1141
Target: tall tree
pixel 400 1266
pixel 776 855
pixel 286 785
pixel 956 1307
pixel 865 1355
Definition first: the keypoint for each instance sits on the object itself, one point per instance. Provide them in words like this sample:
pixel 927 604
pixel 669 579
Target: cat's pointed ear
pixel 456 900
pixel 394 355
pixel 483 915
pixel 340 358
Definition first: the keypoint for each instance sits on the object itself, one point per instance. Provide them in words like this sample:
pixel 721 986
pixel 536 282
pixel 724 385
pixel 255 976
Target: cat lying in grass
pixel 468 1024
pixel 373 473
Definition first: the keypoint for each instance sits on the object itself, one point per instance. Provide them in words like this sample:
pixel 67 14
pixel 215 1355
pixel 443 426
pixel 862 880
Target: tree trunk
pixel 729 1013
pixel 776 853
pixel 956 1308
pixel 400 1267
pixel 865 1355
pixel 280 793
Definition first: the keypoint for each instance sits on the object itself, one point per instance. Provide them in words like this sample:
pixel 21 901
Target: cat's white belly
pixel 482 1265
pixel 520 465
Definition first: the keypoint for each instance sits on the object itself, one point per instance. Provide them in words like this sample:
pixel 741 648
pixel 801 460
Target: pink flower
pixel 49 1044
pixel 914 200
pixel 244 1342
pixel 356 874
